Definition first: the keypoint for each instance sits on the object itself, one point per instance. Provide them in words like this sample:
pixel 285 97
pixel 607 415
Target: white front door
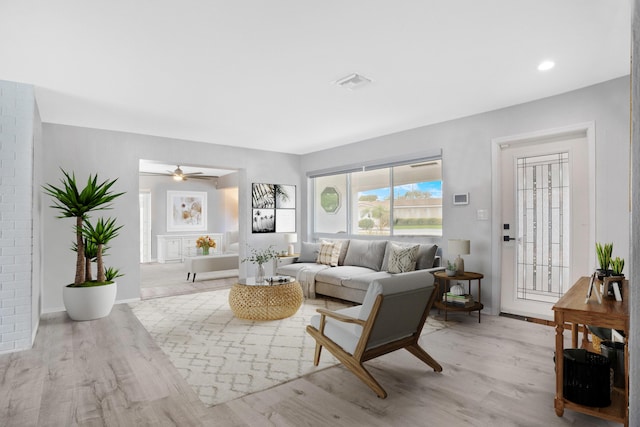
pixel 545 221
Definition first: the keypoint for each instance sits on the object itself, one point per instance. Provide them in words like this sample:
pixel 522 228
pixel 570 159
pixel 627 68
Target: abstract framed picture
pixel 186 211
pixel 274 208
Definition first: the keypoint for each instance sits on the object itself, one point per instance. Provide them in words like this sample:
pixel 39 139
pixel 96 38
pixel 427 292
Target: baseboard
pixel 61 309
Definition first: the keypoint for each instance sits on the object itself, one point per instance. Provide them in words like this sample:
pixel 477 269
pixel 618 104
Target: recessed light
pixel 546 65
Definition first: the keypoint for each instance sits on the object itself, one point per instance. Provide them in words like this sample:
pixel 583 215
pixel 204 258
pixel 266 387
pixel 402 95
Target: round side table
pixel 446 305
pixel 265 301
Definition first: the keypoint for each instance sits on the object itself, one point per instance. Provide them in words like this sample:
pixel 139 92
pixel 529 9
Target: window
pixel 399 200
pixel 329 212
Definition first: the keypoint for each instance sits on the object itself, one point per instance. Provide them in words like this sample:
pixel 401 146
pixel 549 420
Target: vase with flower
pixel 261 256
pixel 205 242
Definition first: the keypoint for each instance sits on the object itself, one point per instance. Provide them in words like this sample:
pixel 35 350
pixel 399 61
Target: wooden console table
pixel 572 309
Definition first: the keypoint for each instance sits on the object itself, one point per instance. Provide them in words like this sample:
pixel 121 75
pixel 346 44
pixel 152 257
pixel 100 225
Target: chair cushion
pixel 366 253
pixel 309 252
pixel 346 335
pixel 402 258
pixel 329 253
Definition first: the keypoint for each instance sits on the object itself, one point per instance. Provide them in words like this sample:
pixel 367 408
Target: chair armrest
pixel 340 317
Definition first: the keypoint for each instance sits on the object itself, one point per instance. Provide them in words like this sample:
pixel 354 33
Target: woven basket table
pixel 266 301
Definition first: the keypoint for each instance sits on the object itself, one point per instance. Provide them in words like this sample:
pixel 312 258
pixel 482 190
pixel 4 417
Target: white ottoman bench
pixel 204 263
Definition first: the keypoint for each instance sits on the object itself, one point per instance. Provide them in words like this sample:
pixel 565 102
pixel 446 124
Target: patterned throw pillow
pixel 329 253
pixel 402 258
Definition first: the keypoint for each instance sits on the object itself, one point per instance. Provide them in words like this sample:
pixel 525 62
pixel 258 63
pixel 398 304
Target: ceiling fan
pixel 179 175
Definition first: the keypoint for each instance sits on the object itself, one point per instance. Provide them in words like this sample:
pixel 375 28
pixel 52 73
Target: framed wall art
pixel 273 208
pixel 186 211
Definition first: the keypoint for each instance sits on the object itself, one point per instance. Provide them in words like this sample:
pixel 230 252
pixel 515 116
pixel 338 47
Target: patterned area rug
pixel 223 357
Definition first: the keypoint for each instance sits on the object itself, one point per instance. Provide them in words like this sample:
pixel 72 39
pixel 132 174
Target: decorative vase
pixel 88 303
pixel 260 274
pixel 205 250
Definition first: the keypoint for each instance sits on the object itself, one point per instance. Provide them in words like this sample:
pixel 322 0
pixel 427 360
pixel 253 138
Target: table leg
pixel 559 400
pixel 479 298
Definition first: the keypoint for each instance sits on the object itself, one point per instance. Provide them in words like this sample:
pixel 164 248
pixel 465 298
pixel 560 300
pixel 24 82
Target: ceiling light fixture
pixel 353 81
pixel 546 65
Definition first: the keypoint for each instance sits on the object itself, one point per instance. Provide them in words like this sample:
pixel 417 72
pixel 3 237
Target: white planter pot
pixel 89 303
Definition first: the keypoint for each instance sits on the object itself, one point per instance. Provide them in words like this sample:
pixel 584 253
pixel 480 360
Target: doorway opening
pixel 165 242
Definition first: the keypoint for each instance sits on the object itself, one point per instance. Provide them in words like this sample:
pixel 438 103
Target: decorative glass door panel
pixel 543 226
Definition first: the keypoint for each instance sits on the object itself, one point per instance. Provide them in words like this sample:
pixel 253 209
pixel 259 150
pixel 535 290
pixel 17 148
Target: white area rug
pixel 223 357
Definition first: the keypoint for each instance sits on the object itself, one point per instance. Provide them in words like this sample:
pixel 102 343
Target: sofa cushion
pixel 363 281
pixel 295 268
pixel 329 253
pixel 402 258
pixel 366 253
pixel 309 252
pixel 335 276
pixel 426 255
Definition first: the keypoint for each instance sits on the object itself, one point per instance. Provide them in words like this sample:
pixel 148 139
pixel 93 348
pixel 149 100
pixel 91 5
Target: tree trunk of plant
pixel 87 269
pixel 100 265
pixel 80 258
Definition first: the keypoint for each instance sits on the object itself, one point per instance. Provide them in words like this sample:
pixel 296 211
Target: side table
pixel 442 278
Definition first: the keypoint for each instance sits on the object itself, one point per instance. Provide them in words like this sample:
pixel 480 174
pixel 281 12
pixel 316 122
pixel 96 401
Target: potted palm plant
pixel 87 299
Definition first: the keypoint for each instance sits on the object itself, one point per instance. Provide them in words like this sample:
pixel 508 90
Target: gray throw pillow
pixel 309 252
pixel 426 255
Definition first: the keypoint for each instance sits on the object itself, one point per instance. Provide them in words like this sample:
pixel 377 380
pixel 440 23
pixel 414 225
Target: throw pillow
pixel 329 253
pixel 426 255
pixel 309 252
pixel 402 258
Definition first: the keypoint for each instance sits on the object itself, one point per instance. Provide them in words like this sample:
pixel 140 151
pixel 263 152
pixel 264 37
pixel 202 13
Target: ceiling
pixel 260 74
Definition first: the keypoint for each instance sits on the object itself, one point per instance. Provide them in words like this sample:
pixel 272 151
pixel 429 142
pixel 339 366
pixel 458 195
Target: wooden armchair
pixel 391 317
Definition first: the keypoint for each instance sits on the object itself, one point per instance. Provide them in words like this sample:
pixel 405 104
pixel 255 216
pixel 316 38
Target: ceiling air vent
pixel 353 81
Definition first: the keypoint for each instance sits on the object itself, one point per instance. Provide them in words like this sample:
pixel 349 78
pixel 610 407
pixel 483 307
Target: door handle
pixel 507 238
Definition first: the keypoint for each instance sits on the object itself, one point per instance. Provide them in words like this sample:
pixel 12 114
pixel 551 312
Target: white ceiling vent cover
pixel 353 81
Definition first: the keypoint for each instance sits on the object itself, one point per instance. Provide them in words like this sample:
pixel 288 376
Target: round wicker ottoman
pixel 267 301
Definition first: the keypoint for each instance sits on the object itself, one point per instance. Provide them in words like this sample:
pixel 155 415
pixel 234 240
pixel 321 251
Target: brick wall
pixel 17 106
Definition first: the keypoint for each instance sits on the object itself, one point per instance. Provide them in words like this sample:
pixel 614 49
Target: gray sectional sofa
pixel 358 264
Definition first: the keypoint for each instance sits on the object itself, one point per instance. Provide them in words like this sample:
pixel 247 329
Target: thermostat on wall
pixel 461 199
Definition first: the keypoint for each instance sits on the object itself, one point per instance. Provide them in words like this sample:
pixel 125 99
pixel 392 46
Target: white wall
pixel 116 155
pixel 466 151
pixel 19 292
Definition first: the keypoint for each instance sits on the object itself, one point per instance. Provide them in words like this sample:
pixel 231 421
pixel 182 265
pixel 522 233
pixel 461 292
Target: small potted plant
pixel 451 269
pixel 261 256
pixel 604 259
pixel 617 265
pixel 87 299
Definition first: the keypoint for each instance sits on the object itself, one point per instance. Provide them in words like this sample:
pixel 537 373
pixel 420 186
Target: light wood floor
pixel 110 372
